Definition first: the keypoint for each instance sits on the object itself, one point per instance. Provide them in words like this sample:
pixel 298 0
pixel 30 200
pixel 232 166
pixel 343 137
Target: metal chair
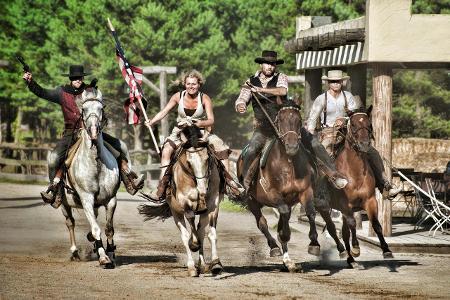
pixel 442 210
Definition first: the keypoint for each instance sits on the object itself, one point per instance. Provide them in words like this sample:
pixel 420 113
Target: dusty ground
pixel 34 251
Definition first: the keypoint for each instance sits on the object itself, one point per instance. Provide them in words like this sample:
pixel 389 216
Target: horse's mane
pixel 361 110
pixel 91 93
pixel 290 103
pixel 192 134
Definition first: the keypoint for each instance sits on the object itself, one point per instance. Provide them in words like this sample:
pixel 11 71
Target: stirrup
pixel 338 182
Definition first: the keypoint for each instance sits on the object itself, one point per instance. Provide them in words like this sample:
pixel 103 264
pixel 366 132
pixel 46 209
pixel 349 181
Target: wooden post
pixel 161 91
pixel 313 88
pixel 163 102
pixel 382 125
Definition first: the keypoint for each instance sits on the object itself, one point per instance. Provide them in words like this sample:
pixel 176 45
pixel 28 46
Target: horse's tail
pixel 160 211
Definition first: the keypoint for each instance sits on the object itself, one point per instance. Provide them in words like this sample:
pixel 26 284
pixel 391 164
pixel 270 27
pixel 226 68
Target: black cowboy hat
pixel 76 71
pixel 269 56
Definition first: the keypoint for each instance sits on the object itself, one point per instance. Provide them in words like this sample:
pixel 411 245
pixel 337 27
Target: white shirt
pixel 335 108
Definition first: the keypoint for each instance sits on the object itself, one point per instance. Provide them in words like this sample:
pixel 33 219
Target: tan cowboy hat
pixel 269 56
pixel 335 75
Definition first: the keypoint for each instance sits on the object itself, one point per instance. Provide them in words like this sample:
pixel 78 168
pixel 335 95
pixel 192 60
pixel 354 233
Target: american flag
pixel 133 77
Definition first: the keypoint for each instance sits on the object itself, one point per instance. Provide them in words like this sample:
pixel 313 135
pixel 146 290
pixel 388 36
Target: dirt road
pixel 34 251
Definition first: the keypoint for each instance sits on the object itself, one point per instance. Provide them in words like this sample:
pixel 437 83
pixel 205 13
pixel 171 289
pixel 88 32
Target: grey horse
pixel 94 178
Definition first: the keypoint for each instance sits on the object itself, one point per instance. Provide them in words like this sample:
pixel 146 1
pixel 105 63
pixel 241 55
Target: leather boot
pixel 250 174
pixel 159 195
pixel 54 194
pixel 132 181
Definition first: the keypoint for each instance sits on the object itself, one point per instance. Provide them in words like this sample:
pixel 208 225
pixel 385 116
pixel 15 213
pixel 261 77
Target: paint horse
pixel 196 188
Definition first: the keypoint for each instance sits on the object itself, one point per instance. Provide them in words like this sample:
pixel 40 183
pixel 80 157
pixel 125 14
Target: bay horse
pixel 287 179
pixel 359 194
pixel 195 183
pixel 94 178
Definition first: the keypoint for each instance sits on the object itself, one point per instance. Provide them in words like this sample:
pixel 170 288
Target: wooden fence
pixel 22 163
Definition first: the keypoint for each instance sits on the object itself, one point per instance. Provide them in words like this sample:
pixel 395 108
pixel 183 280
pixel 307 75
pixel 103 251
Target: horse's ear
pixel 99 95
pixel 369 110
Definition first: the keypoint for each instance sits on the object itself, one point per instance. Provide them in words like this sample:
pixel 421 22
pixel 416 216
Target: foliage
pixel 219 38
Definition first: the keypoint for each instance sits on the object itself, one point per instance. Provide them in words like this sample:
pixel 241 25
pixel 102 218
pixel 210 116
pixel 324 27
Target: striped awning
pixel 340 56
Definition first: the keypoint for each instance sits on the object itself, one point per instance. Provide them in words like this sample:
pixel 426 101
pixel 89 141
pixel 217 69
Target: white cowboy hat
pixel 335 75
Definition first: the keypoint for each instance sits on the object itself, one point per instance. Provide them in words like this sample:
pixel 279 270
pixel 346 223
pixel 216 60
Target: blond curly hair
pixel 192 74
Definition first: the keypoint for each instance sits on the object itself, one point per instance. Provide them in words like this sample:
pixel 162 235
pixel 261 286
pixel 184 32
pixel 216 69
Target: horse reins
pixel 351 136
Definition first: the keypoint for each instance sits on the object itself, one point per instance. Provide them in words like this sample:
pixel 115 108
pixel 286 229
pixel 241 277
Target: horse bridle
pixel 100 127
pixel 189 172
pixel 350 137
pixel 281 136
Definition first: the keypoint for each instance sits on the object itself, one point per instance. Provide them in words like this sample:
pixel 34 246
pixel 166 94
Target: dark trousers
pixel 376 163
pixel 313 145
pixel 255 147
pixel 58 154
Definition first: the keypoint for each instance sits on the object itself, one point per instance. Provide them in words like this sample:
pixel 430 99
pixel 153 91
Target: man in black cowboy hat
pixel 273 86
pixel 65 96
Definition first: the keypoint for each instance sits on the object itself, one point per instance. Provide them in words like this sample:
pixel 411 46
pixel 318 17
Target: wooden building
pixel 388 37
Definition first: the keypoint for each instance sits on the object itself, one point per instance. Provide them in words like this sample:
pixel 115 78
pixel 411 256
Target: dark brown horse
pixel 286 180
pixel 359 194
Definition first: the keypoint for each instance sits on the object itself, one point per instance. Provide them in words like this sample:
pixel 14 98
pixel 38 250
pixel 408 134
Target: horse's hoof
pixel 387 255
pixel 314 250
pixel 90 237
pixel 202 269
pixel 194 246
pixel 355 251
pixel 110 265
pixel 343 254
pixel 193 272
pixel 216 267
pixel 75 256
pixel 275 252
pixel 354 265
pixel 290 265
pixel 104 260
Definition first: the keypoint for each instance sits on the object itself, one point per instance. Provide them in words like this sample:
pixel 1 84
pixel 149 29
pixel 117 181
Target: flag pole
pixel 119 48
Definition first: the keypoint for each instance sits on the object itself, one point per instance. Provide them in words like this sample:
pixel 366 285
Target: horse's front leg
pixel 201 230
pixel 185 237
pixel 331 228
pixel 371 207
pixel 215 265
pixel 88 207
pixel 261 222
pixel 346 237
pixel 284 235
pixel 306 199
pixel 70 223
pixel 109 230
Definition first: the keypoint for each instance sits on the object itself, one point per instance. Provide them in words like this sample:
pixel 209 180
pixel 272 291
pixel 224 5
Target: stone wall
pixel 424 155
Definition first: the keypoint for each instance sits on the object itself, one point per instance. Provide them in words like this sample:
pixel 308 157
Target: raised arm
pixel 171 104
pixel 35 88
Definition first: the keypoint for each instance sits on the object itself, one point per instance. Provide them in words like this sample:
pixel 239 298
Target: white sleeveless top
pixel 199 111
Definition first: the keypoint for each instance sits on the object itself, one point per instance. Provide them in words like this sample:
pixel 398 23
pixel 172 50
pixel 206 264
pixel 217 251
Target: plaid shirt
pixel 246 94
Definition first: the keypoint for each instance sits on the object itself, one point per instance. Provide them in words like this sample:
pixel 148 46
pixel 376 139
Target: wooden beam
pixel 382 126
pixel 159 69
pixel 296 79
pixel 151 85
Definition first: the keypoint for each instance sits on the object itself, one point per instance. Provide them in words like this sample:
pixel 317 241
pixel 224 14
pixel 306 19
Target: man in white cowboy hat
pixel 65 96
pixel 274 86
pixel 331 108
